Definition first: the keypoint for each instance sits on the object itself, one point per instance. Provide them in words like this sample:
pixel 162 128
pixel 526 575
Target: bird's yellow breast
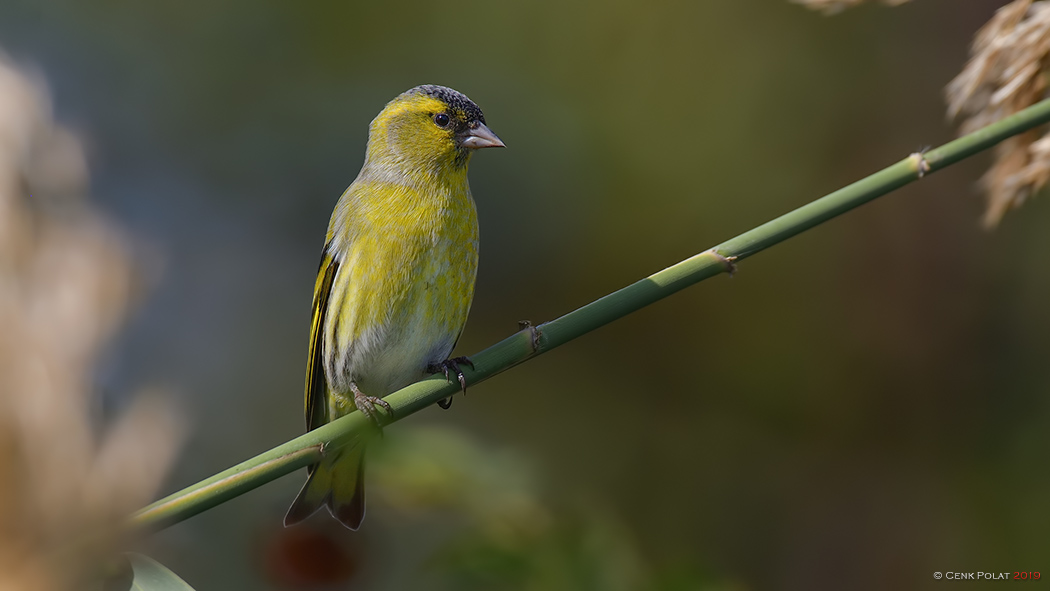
pixel 410 257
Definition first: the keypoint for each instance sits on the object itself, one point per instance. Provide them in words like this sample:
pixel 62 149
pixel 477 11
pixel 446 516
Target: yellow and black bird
pixel 396 279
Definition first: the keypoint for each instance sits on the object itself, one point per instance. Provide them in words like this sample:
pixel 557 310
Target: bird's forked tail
pixel 337 482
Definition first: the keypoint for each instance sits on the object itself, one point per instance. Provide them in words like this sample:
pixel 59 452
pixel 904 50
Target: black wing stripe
pixel 316 384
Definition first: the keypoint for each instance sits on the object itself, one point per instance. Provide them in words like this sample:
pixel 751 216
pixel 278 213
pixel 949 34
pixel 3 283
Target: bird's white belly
pixel 401 356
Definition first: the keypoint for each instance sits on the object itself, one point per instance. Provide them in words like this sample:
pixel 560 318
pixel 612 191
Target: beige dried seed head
pixel 1009 61
pixel 66 279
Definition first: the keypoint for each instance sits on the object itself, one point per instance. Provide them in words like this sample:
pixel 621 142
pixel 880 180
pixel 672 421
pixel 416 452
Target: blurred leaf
pixel 142 573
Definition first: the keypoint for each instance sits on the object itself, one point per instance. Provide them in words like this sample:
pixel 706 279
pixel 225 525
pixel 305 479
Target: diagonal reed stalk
pixel 532 341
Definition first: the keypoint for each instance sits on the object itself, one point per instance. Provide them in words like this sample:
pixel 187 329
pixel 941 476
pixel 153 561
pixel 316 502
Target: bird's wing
pixel 316 384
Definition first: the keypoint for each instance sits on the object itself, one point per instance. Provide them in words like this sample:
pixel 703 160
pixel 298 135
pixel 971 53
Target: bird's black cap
pixel 453 98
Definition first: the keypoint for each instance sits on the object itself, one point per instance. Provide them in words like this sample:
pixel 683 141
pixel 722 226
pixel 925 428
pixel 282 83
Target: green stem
pixel 532 341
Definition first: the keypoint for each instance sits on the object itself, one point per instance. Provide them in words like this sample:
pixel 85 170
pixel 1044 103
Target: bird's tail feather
pixel 338 483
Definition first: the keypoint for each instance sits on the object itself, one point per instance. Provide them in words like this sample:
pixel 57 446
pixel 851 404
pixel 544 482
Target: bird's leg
pixel 367 404
pixel 453 365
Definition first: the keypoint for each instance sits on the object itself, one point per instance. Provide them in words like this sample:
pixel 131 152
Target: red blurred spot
pixel 308 557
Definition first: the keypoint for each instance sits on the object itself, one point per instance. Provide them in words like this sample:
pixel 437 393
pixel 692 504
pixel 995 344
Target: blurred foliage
pixel 491 529
pixel 142 573
pixel 856 408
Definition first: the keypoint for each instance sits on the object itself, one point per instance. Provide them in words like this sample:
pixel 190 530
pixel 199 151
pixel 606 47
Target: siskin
pixel 396 278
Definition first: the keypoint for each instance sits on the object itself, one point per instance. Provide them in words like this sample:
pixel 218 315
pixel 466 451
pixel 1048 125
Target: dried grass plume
pixel 65 283
pixel 1009 62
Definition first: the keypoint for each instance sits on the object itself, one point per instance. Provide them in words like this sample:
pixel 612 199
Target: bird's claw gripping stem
pixel 367 405
pixel 451 365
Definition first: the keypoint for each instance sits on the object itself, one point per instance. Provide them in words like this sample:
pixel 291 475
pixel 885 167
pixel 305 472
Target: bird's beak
pixel 480 137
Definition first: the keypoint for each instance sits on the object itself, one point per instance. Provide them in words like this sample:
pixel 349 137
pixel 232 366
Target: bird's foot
pixel 368 405
pixel 450 367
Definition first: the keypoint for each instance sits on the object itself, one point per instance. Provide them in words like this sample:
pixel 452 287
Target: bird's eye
pixel 442 120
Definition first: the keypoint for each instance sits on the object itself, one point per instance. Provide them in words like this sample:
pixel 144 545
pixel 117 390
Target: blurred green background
pixel 857 408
